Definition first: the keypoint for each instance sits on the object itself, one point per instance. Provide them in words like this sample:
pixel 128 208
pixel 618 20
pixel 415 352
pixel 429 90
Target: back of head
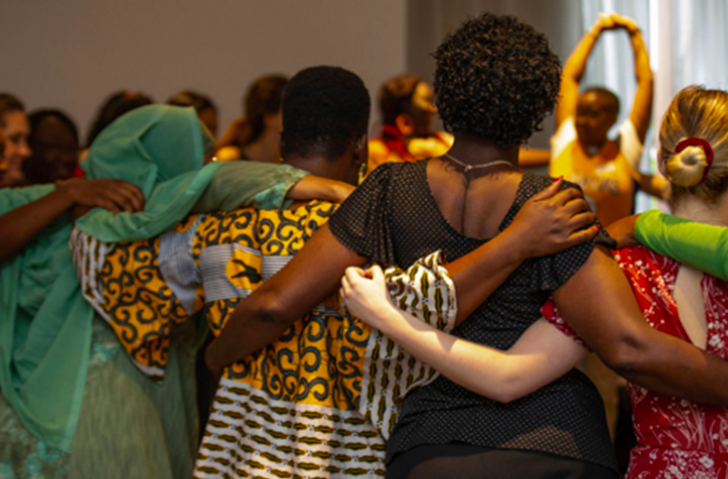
pixel 148 146
pixel 113 107
pixel 696 115
pixel 264 97
pixel 496 78
pixel 325 109
pixel 9 103
pixel 395 97
pixel 196 100
pixel 53 141
pixel 37 117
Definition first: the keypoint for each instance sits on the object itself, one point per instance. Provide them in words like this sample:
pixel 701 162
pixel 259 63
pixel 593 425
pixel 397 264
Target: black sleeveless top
pixel 393 218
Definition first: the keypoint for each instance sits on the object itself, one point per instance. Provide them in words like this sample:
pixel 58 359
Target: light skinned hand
pixel 365 294
pixel 552 221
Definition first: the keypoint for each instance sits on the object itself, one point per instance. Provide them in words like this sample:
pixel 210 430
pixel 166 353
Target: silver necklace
pixel 482 165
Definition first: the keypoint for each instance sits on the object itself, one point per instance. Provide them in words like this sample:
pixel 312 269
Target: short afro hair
pixel 325 109
pixel 496 78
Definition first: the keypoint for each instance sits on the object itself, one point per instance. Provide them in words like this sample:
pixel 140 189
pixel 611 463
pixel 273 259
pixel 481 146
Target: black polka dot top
pixel 392 218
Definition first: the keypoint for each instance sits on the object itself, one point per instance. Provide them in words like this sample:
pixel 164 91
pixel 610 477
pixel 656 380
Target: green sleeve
pixel 238 184
pixel 701 246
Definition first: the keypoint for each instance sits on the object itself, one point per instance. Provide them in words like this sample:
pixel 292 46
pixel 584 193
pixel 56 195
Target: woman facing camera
pixel 496 79
pixel 682 438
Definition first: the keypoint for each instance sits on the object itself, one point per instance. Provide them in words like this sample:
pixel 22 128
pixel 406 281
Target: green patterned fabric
pixel 701 246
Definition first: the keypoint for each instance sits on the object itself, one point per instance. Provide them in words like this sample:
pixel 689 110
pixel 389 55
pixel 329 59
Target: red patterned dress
pixel 676 438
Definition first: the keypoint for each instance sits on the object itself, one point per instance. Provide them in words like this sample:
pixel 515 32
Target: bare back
pixel 474 208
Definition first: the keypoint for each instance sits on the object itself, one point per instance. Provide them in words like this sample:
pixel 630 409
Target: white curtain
pixel 687 41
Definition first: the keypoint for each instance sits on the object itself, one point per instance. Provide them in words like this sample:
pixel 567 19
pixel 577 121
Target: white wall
pixel 72 54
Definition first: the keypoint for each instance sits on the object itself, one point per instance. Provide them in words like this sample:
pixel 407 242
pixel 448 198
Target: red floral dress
pixel 676 438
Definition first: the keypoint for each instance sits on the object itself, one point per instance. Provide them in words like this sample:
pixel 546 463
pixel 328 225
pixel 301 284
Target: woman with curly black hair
pixel 496 80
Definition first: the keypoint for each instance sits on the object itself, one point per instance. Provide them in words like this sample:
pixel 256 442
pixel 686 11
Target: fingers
pixel 377 275
pixel 575 206
pixel 118 197
pixel 549 191
pixel 134 194
pixel 565 196
pixel 581 220
pixel 582 236
pixel 345 287
pixel 107 204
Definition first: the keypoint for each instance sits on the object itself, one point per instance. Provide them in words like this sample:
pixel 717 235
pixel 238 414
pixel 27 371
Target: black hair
pixel 324 110
pixel 263 98
pixel 9 103
pixel 113 107
pixel 496 78
pixel 395 97
pixel 608 95
pixel 37 117
pixel 196 100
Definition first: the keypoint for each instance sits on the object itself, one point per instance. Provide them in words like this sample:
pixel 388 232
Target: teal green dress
pixel 71 402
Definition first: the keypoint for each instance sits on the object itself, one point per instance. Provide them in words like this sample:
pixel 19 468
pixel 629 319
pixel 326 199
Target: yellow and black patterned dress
pixel 320 401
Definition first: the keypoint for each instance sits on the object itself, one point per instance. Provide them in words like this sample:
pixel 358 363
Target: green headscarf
pixel 45 324
pixel 161 150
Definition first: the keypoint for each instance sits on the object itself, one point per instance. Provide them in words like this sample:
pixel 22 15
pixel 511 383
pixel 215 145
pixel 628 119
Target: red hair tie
pixel 682 144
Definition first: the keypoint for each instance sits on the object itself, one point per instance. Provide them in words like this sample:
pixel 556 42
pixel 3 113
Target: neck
pixel 316 165
pixel 694 209
pixel 473 150
pixel 265 148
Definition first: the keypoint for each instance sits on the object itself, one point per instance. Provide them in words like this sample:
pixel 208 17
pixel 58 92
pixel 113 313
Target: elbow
pixel 269 310
pixel 511 388
pixel 625 357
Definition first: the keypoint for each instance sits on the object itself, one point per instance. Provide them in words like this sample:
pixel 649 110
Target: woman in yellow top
pixel 580 149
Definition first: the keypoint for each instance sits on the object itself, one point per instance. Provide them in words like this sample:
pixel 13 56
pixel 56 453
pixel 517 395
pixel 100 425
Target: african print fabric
pixel 320 401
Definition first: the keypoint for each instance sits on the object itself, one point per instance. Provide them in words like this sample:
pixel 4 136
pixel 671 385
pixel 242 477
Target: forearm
pixel 251 327
pixel 641 58
pixel 599 305
pixel 655 185
pixel 671 366
pixel 699 245
pixel 576 63
pixel 641 114
pixel 571 76
pixel 315 187
pixel 503 376
pixel 21 225
pixel 311 276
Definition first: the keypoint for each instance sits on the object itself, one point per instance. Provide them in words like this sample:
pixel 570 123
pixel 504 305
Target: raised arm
pixel 541 354
pixel 641 113
pixel 20 226
pixel 574 69
pixel 599 305
pixel 545 224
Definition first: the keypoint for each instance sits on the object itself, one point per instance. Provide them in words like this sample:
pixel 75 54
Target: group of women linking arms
pixel 472 204
pixel 676 438
pixel 459 203
pixel 73 404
